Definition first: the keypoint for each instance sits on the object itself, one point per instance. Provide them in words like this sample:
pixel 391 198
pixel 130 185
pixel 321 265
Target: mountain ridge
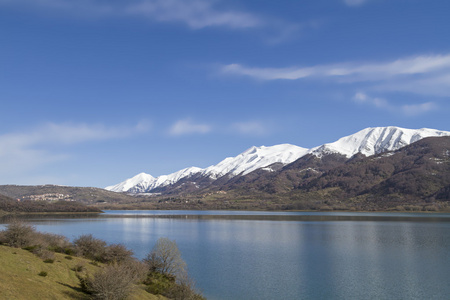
pixel 366 142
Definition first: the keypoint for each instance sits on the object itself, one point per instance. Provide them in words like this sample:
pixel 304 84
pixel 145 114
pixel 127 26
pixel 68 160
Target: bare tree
pixel 168 272
pixel 165 258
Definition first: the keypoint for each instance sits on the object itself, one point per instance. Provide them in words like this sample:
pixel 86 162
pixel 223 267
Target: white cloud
pixel 377 102
pixel 269 73
pixel 249 128
pixel 187 126
pixel 71 133
pixel 407 109
pixel 350 71
pixel 195 13
pixel 424 74
pixel 21 151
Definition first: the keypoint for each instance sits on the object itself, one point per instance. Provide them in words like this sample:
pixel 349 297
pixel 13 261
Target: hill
pixel 19 279
pixel 85 195
pixel 9 205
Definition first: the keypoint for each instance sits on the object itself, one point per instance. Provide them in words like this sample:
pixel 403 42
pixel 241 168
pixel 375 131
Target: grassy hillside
pixel 19 277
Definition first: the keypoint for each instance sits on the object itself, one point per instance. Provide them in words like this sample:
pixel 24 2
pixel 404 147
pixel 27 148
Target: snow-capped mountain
pixel 140 182
pixel 246 162
pixel 145 182
pixel 375 140
pixel 255 158
pixel 368 142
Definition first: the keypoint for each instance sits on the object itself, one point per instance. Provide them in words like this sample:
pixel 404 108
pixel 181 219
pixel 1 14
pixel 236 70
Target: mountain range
pixel 258 163
pixel 375 169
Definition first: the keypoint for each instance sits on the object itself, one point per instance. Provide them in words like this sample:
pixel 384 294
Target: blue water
pixel 267 255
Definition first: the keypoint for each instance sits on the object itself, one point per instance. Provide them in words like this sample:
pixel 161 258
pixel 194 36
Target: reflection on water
pixel 265 255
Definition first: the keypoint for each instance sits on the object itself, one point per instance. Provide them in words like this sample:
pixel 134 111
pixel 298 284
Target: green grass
pixel 20 279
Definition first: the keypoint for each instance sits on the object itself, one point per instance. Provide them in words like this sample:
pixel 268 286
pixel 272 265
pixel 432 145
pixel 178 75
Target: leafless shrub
pixel 57 242
pixel 117 253
pixel 89 247
pixel 18 234
pixel 46 255
pixel 50 241
pixel 114 281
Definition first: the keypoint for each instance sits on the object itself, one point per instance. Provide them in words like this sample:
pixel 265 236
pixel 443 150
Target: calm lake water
pixel 269 255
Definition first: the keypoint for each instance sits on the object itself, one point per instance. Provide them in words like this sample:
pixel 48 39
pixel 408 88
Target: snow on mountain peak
pixel 255 158
pixel 141 179
pixel 375 140
pixel 250 160
pixel 368 141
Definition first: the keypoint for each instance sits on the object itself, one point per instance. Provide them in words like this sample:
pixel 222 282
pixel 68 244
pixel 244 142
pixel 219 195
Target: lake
pixel 287 255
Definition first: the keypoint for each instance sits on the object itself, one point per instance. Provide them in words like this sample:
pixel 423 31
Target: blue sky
pixel 94 92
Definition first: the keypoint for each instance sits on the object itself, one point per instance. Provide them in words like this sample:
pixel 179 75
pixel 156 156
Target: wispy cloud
pixel 20 151
pixel 362 98
pixel 429 72
pixel 188 126
pixel 249 128
pixel 350 71
pixel 195 13
pixel 407 109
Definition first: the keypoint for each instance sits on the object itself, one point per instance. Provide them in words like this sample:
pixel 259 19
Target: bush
pixel 181 289
pixel 79 267
pixel 18 234
pixel 168 274
pixel 158 283
pixel 54 242
pixel 114 281
pixel 90 247
pixel 43 274
pixel 182 292
pixel 47 256
pixel 31 248
pixel 117 253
